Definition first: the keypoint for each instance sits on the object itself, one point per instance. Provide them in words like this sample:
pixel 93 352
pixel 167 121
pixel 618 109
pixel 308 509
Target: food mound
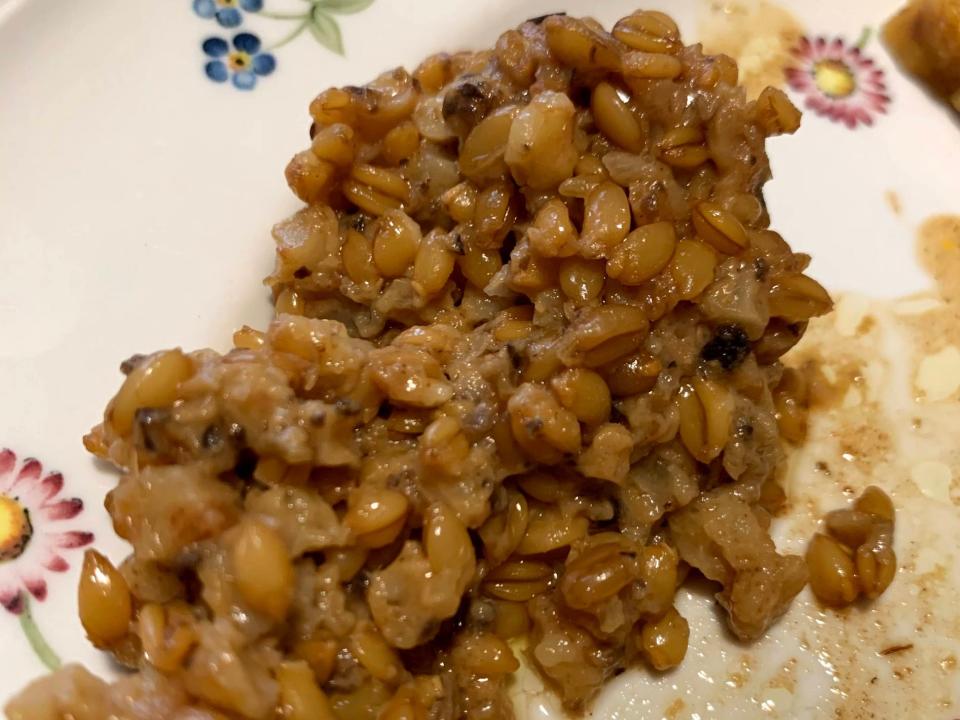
pixel 523 381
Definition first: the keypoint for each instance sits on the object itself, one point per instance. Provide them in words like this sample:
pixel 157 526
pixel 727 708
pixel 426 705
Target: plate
pixel 141 170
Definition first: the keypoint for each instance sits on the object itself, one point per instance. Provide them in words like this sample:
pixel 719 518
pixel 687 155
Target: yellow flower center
pixel 834 78
pixel 15 528
pixel 239 61
pixel 227 3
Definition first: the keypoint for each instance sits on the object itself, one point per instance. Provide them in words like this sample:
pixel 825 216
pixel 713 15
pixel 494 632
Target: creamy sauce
pixel 881 419
pixel 756 33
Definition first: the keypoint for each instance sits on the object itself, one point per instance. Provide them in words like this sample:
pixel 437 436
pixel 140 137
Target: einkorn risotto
pixel 523 381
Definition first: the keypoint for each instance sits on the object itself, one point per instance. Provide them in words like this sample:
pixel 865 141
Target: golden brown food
pixel 925 37
pixel 521 382
pixel 856 555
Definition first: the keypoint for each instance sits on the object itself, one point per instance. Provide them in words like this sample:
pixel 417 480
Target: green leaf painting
pixel 319 18
pixel 325 29
pixel 344 7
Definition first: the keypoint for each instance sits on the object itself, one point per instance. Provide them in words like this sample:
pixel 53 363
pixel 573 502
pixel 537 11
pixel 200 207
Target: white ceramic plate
pixel 140 176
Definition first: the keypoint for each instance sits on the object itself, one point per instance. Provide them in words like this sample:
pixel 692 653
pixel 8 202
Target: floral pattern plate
pixel 142 148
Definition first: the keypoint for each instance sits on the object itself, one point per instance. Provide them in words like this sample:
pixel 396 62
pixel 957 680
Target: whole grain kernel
pixel 105 604
pixel 832 572
pixel 683 147
pixel 551 529
pixel 595 575
pixel 333 105
pixel 516 57
pixel 876 502
pixel 606 219
pixel 660 573
pixel 383 180
pixel 433 263
pixel 310 178
pixel 153 384
pixel 165 641
pixel 357 257
pixel 581 280
pixel 433 73
pixel 706 414
pixel 376 515
pixel 511 330
pixel 649 32
pixel 577 44
pixel 479 266
pixel 369 199
pixel 693 267
pixel 450 553
pixel 850 527
pixel 493 214
pixel 460 201
pixel 651 66
pixel 632 375
pixel 482 154
pixel 300 696
pixel 401 143
pixel 263 569
pixel 443 444
pixel 584 393
pixel 643 254
pixel 504 530
pixel 664 640
pixel 335 143
pixel 375 655
pixel 598 326
pixel 248 338
pixel 319 650
pixel 486 654
pixel 720 228
pixel 876 561
pixel 775 113
pixel 396 243
pixel 518 580
pixel 289 302
pixel 798 297
pixel 615 119
pixel 540 149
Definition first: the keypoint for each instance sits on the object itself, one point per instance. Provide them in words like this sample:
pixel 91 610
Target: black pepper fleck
pixel 760 268
pixel 246 464
pixel 540 18
pixel 212 438
pixel 729 346
pixel 131 363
